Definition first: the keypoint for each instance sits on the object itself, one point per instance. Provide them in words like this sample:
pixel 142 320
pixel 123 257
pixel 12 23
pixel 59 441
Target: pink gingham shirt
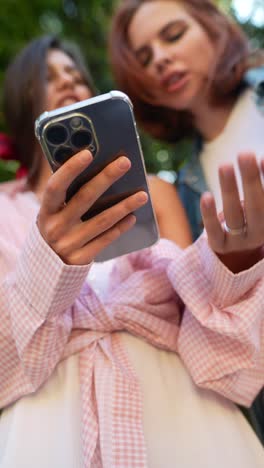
pixel 183 301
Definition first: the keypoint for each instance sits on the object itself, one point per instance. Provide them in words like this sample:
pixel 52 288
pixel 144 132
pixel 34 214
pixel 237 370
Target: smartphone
pixel 105 125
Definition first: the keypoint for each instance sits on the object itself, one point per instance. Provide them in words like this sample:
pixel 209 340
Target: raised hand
pixel 237 235
pixel 77 242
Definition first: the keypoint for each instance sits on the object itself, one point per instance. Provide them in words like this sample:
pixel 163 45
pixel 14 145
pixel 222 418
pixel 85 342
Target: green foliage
pixel 87 23
pixel 8 170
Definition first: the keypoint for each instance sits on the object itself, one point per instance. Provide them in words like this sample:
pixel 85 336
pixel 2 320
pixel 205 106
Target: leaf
pixel 8 170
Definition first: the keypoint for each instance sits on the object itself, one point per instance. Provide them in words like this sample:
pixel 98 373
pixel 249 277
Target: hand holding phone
pixel 76 242
pixel 106 126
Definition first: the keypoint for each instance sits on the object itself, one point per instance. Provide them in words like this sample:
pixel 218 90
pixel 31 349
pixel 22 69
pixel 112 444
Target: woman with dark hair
pixel 24 101
pixel 190 73
pixel 135 361
pixel 30 67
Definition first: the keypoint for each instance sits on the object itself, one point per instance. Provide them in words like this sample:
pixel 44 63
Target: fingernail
pixel 206 200
pixel 86 156
pixel 123 163
pixel 142 197
pixel 246 160
pixel 227 173
pixel 130 220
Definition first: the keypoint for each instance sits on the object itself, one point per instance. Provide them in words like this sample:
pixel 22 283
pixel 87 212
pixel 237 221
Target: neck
pixel 210 120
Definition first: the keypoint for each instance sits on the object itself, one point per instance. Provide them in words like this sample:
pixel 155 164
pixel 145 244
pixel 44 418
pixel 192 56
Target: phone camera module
pixel 56 134
pixel 81 138
pixel 62 154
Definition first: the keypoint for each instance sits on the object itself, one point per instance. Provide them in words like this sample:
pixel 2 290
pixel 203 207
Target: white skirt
pixel 184 427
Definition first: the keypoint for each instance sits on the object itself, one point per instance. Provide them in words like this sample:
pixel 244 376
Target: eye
pixel 49 77
pixel 174 36
pixel 78 78
pixel 144 57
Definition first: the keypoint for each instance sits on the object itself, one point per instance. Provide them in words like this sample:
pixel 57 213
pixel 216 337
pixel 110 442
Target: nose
pixel 161 57
pixel 64 79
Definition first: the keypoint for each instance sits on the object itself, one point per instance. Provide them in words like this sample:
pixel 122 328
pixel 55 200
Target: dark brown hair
pixel 233 58
pixel 23 94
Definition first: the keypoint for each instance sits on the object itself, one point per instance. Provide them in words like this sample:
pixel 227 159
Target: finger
pixel 90 192
pixel 215 233
pixel 262 165
pixel 55 193
pixel 232 207
pixel 87 254
pixel 253 189
pixel 85 232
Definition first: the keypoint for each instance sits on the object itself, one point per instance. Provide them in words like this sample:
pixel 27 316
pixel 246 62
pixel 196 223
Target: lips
pixel 67 100
pixel 175 81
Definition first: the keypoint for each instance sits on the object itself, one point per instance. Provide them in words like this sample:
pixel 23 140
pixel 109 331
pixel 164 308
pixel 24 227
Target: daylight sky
pixel 253 9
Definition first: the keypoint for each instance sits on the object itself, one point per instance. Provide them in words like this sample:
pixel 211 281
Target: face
pixel 174 51
pixel 65 83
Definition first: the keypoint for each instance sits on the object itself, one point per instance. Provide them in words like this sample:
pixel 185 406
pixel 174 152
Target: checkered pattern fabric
pixel 183 301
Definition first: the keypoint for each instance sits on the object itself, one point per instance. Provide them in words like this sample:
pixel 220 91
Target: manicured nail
pixel 227 176
pixel 86 156
pixel 246 160
pixel 129 221
pixel 142 197
pixel 123 163
pixel 207 200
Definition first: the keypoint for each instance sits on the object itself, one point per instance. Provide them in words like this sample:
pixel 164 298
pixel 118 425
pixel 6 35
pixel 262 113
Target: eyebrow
pixel 68 68
pixel 163 31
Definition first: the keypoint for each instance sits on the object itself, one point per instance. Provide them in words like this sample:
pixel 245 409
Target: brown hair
pixel 233 58
pixel 23 95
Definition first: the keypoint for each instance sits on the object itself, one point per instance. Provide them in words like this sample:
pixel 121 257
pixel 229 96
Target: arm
pixel 171 217
pixel 36 303
pixel 221 338
pixel 39 288
pixel 188 302
pixel 222 334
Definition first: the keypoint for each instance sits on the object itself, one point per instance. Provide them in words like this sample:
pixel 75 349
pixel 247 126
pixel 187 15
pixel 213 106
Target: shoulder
pixel 162 190
pixel 164 195
pixel 15 202
pixel 156 183
pixel 10 189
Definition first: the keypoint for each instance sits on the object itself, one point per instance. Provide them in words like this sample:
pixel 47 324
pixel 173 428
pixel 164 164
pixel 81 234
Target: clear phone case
pixel 106 125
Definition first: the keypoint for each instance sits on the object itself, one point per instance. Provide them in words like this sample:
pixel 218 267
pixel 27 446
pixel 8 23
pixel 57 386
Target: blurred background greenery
pixel 87 23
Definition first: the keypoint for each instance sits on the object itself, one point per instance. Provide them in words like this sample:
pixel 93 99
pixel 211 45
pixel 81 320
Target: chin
pixel 180 103
pixel 182 100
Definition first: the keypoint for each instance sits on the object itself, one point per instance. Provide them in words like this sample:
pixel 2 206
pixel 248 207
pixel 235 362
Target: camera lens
pixel 81 138
pixel 76 122
pixel 56 134
pixel 62 154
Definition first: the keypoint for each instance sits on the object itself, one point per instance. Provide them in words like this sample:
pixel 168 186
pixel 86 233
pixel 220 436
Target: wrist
pixel 240 261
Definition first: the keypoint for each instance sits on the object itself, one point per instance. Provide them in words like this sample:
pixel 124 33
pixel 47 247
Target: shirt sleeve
pixel 221 338
pixel 36 300
pixel 184 301
pixel 187 301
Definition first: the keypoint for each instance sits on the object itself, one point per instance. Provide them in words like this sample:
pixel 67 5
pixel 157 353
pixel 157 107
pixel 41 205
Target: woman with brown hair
pixel 185 71
pixel 190 73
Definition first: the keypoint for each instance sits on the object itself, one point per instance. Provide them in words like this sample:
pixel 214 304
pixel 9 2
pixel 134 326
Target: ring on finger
pixel 242 231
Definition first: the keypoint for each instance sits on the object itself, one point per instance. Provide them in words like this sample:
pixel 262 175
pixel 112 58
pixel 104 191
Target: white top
pixel 184 426
pixel 244 131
